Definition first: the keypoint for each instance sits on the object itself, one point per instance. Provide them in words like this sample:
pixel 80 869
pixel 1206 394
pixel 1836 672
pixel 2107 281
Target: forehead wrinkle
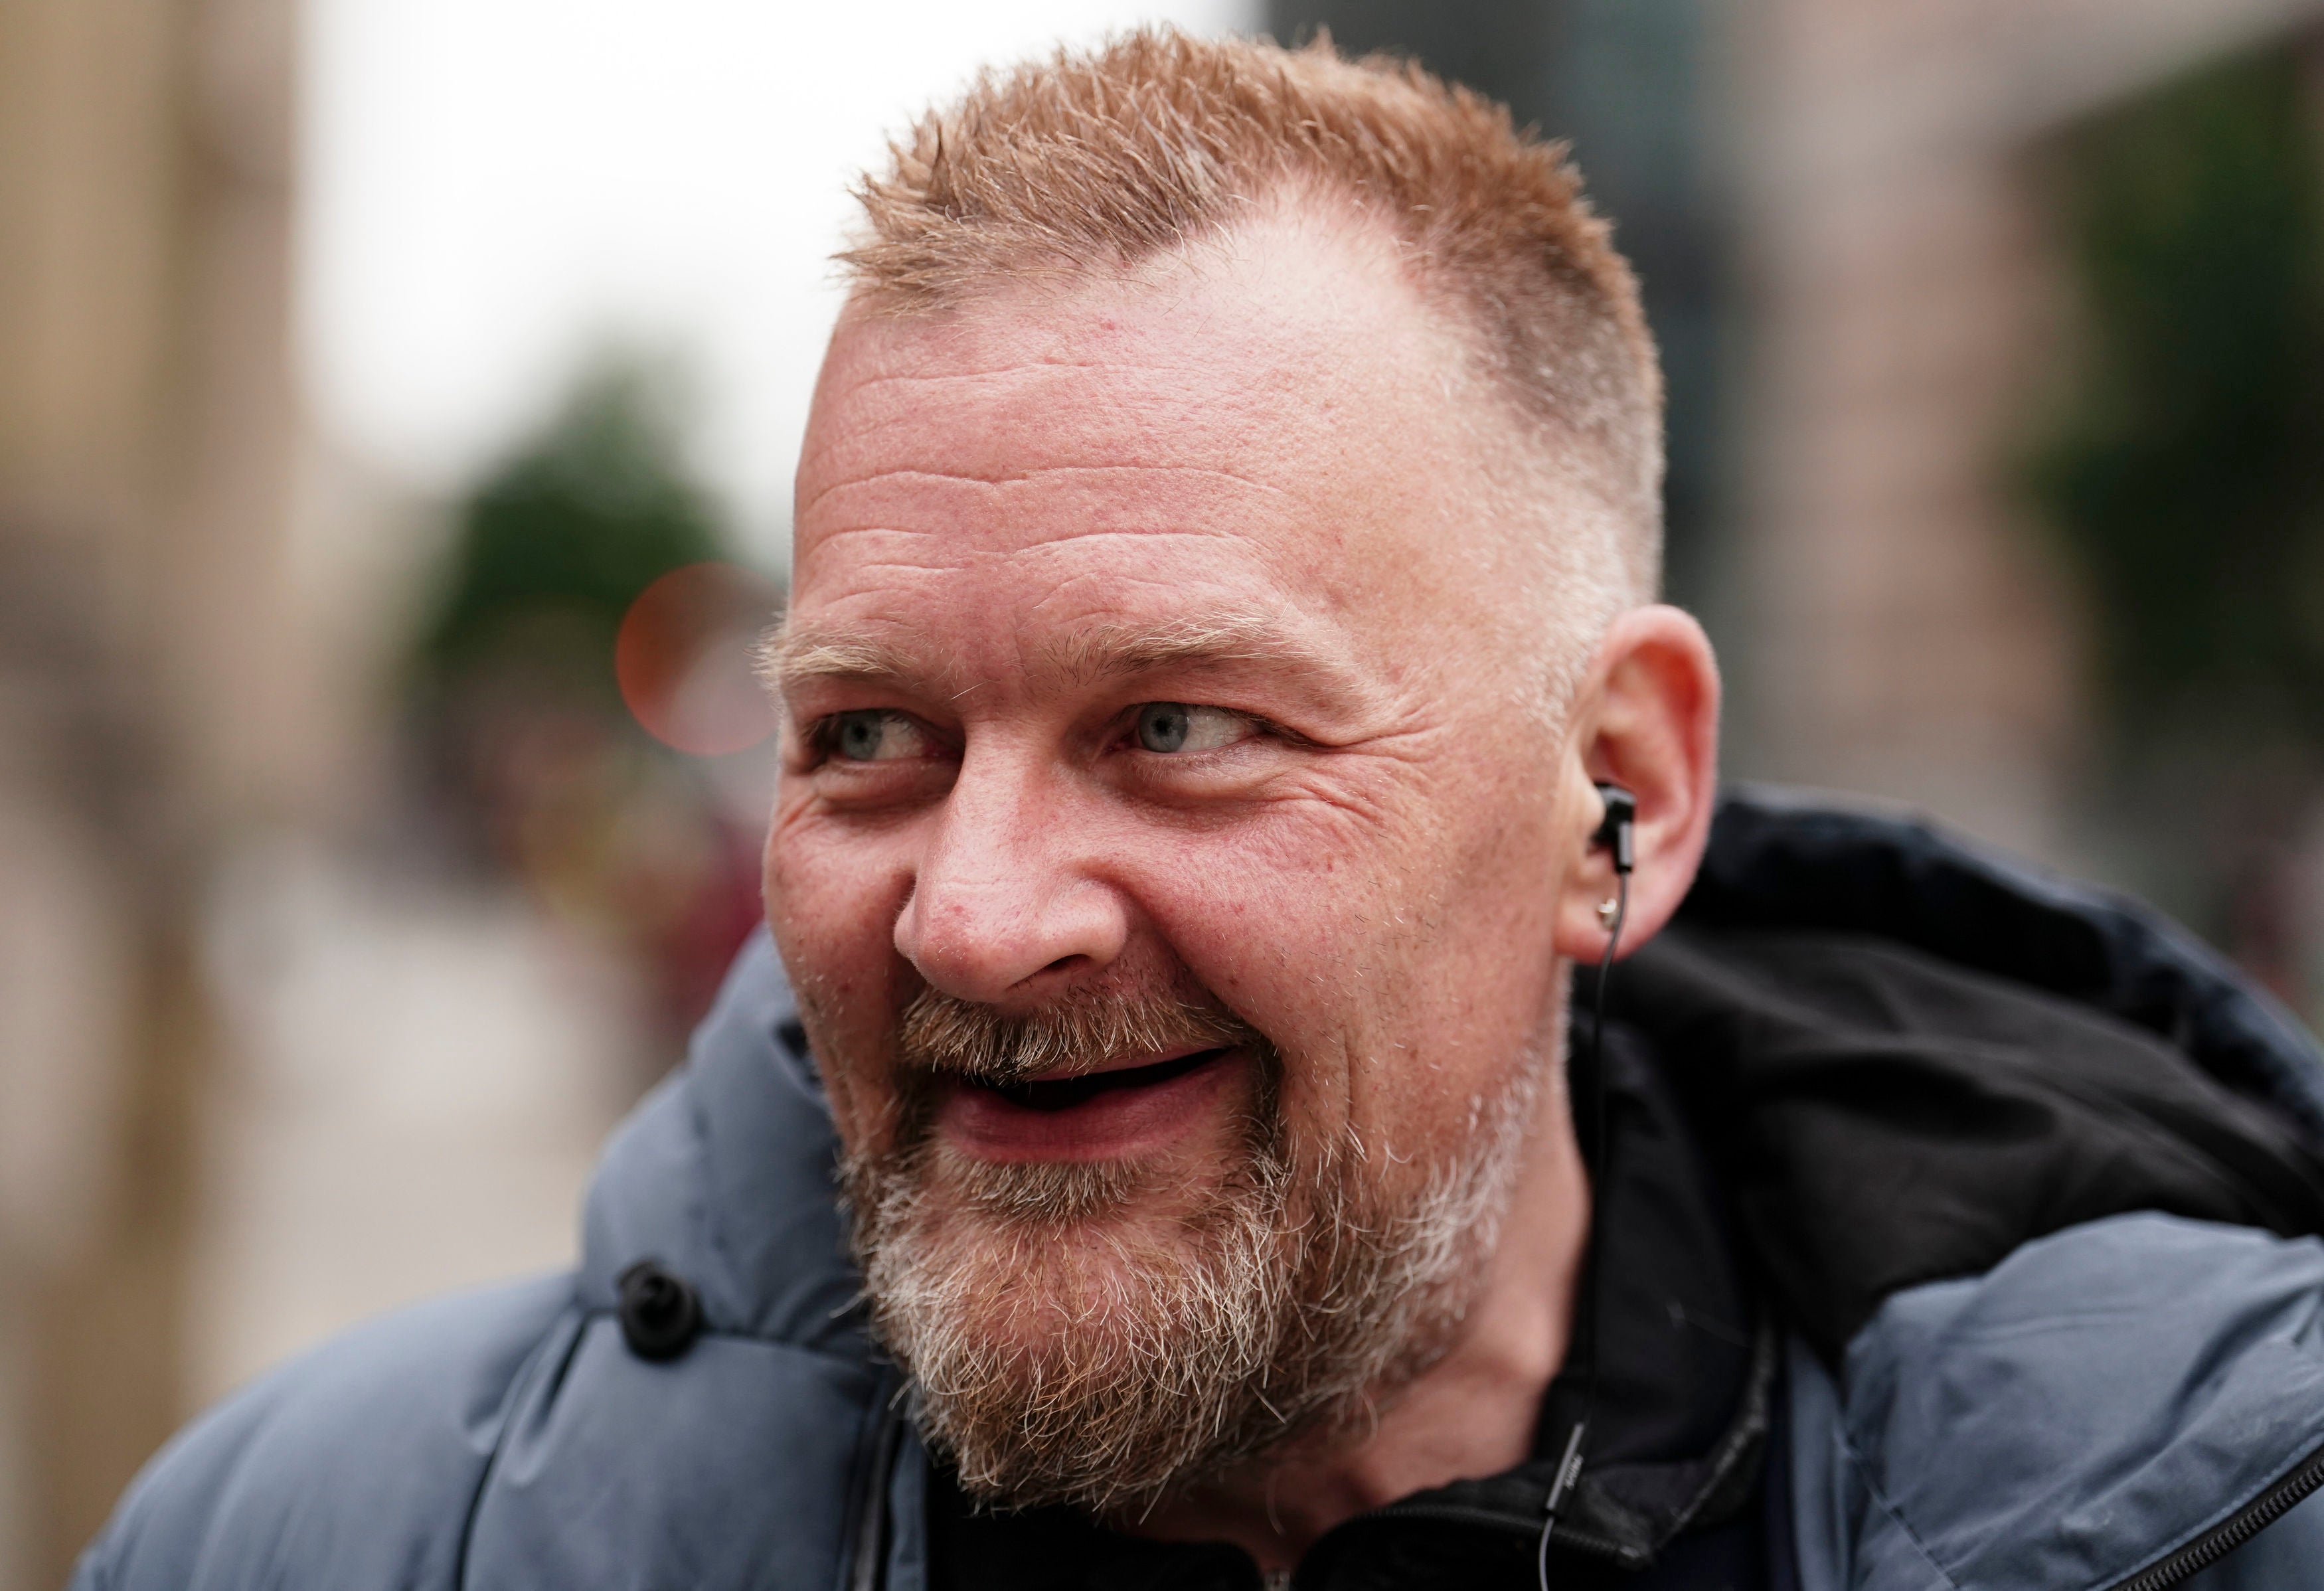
pixel 890 400
pixel 1031 368
pixel 1000 483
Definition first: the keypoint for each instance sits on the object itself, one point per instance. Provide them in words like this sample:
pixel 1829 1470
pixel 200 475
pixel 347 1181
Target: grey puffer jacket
pixel 2028 1175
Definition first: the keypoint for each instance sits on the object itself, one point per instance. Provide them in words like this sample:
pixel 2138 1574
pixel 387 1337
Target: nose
pixel 1003 906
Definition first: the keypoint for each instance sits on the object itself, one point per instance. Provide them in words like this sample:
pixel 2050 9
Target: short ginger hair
pixel 1096 161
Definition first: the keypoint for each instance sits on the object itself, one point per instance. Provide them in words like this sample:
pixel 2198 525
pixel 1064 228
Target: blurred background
pixel 398 404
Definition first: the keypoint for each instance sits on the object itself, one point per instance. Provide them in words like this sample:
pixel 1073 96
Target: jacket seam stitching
pixel 571 1320
pixel 1872 1489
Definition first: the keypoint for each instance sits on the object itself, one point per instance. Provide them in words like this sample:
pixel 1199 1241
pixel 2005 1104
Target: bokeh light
pixel 684 659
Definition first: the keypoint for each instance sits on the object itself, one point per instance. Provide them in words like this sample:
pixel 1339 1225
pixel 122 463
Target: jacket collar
pixel 726 1175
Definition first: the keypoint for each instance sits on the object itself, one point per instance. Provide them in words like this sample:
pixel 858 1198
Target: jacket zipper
pixel 2216 1543
pixel 870 1572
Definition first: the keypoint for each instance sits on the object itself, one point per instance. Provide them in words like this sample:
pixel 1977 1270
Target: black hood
pixel 1907 1058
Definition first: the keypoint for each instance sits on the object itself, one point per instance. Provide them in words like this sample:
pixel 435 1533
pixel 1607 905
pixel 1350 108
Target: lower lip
pixel 1116 1125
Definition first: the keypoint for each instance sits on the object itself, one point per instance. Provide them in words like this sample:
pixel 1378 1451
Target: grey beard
pixel 1062 1354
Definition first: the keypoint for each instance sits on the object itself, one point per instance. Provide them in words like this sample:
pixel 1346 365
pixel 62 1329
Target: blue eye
pixel 1168 727
pixel 873 736
pixel 1162 726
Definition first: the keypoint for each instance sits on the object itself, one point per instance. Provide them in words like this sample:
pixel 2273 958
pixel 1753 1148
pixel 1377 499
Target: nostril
pixel 1066 963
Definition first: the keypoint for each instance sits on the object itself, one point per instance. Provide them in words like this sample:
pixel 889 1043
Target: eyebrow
pixel 1099 652
pixel 789 657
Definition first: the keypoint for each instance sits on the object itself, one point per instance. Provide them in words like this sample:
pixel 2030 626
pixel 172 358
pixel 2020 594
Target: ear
pixel 1648 721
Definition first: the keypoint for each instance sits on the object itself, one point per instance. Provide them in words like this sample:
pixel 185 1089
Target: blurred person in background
pixel 1164 1140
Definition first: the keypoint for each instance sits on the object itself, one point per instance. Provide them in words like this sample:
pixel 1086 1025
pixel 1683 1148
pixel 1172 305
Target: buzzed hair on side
pixel 1094 161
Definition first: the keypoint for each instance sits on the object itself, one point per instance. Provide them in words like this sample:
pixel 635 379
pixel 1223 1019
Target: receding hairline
pixel 1549 469
pixel 1090 164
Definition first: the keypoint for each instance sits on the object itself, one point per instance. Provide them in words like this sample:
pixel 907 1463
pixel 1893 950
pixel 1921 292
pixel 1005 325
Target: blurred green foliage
pixel 554 546
pixel 530 766
pixel 2186 470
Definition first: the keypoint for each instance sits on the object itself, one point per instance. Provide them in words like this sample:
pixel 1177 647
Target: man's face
pixel 1166 844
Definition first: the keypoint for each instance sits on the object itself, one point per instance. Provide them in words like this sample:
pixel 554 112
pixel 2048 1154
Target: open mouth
pixel 1120 1113
pixel 1064 1093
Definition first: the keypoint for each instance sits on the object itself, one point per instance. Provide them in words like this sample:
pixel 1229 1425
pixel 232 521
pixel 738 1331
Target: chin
pixel 1072 1241
pixel 1079 1331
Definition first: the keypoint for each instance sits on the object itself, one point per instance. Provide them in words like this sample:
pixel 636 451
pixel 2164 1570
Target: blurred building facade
pixel 151 706
pixel 1902 627
pixel 252 1087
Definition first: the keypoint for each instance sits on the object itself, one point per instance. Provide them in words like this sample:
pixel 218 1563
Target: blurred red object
pixel 683 658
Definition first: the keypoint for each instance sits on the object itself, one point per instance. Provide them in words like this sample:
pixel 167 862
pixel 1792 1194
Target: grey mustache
pixel 943 1034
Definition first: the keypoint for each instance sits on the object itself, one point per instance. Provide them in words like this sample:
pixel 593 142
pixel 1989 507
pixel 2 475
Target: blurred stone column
pixel 148 683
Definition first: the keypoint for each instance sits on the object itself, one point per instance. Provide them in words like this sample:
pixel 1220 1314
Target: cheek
pixel 1403 964
pixel 832 901
pixel 823 906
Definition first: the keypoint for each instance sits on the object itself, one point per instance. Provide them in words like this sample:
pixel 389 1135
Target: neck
pixel 1471 1414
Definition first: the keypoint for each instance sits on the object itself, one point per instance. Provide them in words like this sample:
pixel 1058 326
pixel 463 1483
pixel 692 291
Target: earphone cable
pixel 1569 1462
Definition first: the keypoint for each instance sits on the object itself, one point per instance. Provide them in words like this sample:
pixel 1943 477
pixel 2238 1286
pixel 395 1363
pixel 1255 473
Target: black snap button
pixel 661 1315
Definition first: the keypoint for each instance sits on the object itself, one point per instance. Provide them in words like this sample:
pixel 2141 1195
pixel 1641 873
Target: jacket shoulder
pixel 355 1467
pixel 2109 1396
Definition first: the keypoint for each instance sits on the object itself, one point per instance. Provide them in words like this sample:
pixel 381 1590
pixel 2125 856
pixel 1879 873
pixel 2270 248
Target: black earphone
pixel 1616 829
pixel 1616 834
